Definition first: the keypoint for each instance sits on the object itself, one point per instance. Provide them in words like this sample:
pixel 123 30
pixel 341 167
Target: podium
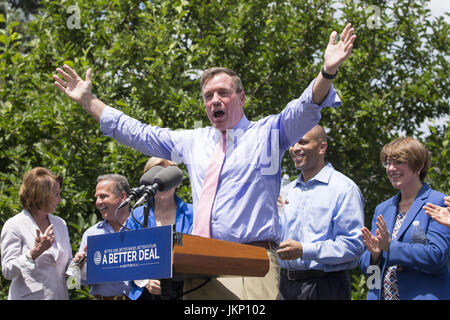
pixel 199 257
pixel 161 253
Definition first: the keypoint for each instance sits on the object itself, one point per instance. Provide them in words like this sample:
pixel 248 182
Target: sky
pixel 438 7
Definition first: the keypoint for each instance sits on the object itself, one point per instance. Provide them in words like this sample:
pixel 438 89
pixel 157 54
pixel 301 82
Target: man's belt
pixel 307 274
pixel 263 244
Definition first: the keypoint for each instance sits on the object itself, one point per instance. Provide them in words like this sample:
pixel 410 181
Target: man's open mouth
pixel 218 113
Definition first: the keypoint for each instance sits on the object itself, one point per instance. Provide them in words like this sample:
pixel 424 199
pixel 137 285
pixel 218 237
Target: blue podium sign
pixel 130 255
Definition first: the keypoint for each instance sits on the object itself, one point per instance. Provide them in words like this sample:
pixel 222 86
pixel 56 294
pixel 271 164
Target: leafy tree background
pixel 146 58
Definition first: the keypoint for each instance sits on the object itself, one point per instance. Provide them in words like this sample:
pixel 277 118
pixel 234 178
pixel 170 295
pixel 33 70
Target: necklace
pixel 404 207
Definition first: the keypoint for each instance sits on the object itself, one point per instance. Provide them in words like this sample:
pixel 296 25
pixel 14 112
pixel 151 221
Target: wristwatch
pixel 329 76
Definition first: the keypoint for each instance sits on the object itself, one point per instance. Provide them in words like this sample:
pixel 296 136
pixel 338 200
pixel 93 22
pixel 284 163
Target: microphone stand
pixel 149 204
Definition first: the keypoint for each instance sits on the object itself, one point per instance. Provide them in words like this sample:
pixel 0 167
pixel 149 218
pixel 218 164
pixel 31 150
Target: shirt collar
pixel 243 124
pixel 107 226
pixel 322 176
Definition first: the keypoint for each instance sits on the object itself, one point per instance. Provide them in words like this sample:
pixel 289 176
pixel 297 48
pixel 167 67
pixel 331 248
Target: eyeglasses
pixel 395 163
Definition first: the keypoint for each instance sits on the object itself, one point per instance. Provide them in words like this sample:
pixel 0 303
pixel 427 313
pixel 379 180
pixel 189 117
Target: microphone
pixel 164 180
pixel 146 179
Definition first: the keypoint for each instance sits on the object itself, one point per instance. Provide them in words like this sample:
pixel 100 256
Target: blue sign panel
pixel 130 255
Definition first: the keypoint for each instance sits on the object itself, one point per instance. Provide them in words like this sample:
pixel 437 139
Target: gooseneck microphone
pixel 163 180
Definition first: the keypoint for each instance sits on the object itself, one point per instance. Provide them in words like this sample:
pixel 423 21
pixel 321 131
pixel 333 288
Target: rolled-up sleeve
pixel 14 261
pixel 149 140
pixel 302 114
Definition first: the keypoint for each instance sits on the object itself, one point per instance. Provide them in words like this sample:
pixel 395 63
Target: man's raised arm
pixel 335 55
pixel 79 90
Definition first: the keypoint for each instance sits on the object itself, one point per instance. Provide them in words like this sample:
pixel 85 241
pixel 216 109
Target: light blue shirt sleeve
pixel 305 110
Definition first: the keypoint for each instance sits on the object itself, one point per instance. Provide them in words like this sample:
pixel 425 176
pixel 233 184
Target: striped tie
pixel 390 286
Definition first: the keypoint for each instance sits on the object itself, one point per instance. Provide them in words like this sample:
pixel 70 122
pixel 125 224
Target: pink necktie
pixel 202 220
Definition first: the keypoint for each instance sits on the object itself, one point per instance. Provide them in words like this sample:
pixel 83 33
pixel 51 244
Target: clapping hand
pixel 80 256
pixel 383 236
pixel 440 214
pixel 42 242
pixel 378 242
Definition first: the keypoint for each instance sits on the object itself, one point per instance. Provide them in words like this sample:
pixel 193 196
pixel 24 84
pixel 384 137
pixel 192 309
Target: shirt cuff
pixel 309 251
pixel 331 100
pixel 109 119
pixel 26 265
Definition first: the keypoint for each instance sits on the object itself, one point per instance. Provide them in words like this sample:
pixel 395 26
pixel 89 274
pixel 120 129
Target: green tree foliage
pixel 146 58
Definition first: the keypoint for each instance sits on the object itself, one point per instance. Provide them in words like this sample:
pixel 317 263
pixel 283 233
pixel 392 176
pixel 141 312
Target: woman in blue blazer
pixel 408 270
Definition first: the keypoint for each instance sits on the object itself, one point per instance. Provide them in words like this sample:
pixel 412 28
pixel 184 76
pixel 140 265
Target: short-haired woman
pixel 410 267
pixel 35 244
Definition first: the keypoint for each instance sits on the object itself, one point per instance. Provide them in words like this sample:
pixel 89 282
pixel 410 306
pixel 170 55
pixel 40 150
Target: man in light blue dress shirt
pixel 320 226
pixel 111 190
pixel 245 206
